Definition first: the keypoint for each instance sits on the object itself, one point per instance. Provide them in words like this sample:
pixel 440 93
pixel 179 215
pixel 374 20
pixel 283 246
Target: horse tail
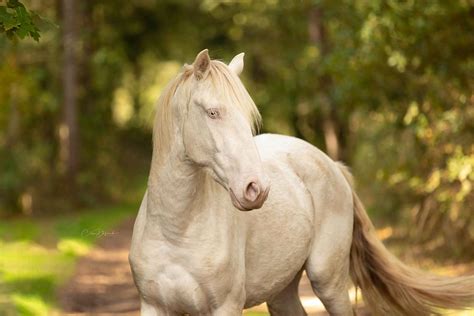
pixel 388 285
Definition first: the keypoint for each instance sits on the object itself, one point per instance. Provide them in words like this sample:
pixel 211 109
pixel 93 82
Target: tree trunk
pixel 330 125
pixel 13 128
pixel 69 128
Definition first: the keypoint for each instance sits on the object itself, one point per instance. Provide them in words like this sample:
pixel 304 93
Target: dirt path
pixel 103 285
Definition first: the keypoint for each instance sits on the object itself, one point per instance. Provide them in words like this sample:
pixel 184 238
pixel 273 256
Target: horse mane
pixel 223 80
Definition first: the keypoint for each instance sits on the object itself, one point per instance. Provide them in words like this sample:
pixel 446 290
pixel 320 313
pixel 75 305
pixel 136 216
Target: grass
pixel 39 255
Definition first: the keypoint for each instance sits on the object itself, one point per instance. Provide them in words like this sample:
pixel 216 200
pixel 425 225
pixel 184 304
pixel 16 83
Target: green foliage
pixel 16 21
pixel 417 132
pixel 396 77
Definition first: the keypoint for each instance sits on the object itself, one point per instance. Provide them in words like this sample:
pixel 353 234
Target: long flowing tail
pixel 388 285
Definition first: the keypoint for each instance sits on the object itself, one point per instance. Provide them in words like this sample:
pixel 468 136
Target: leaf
pixel 14 4
pixel 10 24
pixel 17 21
pixel 35 35
pixel 3 13
pixel 8 20
pixel 23 17
pixel 22 32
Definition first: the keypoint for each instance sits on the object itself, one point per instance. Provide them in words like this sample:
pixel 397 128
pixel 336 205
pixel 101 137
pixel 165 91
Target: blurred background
pixel 384 86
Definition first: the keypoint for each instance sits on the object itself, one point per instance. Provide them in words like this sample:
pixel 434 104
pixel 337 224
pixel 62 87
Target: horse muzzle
pixel 252 197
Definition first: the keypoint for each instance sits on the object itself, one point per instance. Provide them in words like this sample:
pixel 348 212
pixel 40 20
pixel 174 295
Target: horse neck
pixel 176 190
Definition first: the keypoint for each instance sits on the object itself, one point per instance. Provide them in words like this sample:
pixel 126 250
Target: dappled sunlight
pixel 74 247
pixel 31 305
pixel 136 98
pixel 122 108
pixel 384 87
pixel 29 274
pixel 33 267
pixel 384 233
pixel 156 75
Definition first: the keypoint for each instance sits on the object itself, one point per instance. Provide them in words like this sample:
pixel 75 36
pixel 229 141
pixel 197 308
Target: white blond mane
pixel 223 80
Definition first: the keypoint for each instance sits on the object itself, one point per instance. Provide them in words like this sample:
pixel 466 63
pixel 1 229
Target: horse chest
pixel 176 288
pixel 186 282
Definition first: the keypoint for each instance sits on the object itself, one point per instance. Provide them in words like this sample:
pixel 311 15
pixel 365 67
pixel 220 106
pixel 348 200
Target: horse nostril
pixel 252 191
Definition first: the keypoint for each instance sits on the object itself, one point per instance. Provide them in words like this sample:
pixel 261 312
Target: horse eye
pixel 213 113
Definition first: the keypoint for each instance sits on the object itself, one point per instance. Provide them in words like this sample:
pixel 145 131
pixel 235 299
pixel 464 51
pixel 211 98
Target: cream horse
pixel 194 253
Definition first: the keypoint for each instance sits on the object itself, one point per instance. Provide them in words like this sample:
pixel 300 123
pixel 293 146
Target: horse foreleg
pixel 327 266
pixel 147 309
pixel 332 290
pixel 150 310
pixel 329 276
pixel 228 310
pixel 287 302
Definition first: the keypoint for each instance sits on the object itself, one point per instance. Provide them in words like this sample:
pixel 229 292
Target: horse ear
pixel 202 64
pixel 237 64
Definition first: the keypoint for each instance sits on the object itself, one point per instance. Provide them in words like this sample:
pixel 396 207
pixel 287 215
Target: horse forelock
pixel 230 86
